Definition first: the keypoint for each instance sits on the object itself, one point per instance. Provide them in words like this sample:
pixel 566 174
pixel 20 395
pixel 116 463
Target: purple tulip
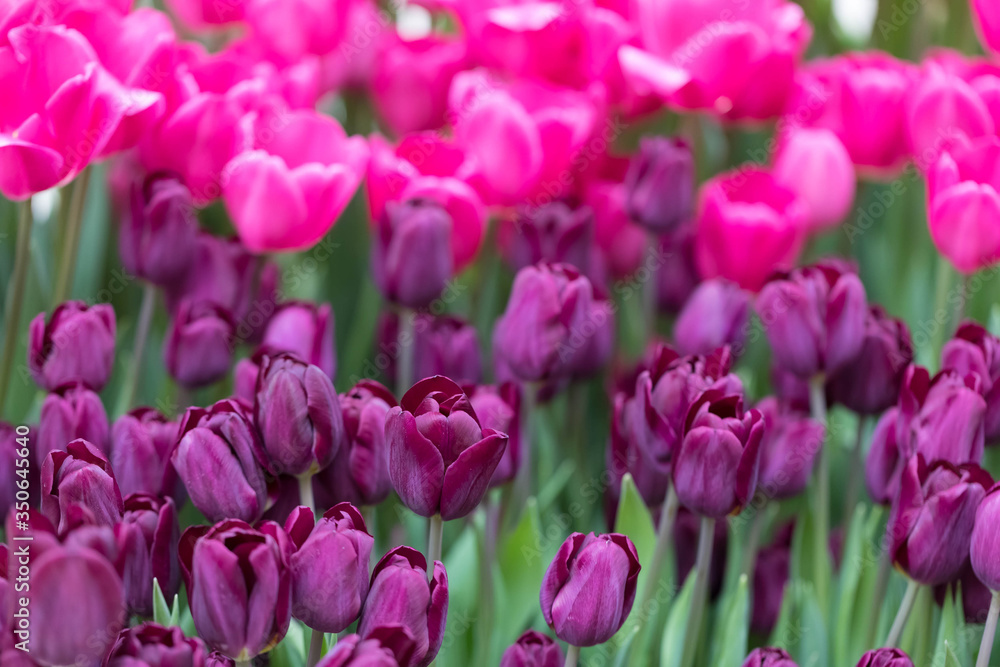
pixel 239 586
pixel 869 383
pixel 329 567
pixel 533 649
pixel 659 184
pixel 985 546
pixel 976 596
pixel 147 549
pixel 687 526
pixel 677 273
pixel 886 459
pixel 400 594
pixel 245 376
pixel 769 657
pixel 441 460
pixel 498 408
pixel 717 314
pixel 716 465
pixel 792 390
pixel 442 345
pixel 304 330
pixel 198 349
pixel 385 646
pixel 79 488
pixel 13 443
pixel 76 344
pixel 885 657
pixel 216 459
pixel 411 252
pixel 974 350
pixel 72 412
pixel 788 449
pixel 151 645
pixel 769 578
pixel 158 238
pixel 298 414
pixel 589 588
pixel 552 232
pixel 222 273
pixel 814 317
pixel 141 444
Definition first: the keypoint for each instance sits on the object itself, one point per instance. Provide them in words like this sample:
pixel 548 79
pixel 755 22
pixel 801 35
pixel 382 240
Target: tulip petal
pixel 467 479
pixel 415 465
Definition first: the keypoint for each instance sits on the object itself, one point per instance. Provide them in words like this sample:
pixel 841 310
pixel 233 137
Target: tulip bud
pixel 245 377
pixel 385 646
pixel 715 468
pixel 769 578
pixel 400 594
pixel 305 330
pixel 216 459
pixel 552 232
pixel 298 414
pixel 141 444
pixel 498 408
pixel 359 473
pixel 941 417
pixel 151 645
pixel 580 613
pixel 76 344
pixel 158 239
pixel 239 587
pixel 147 540
pixel 813 163
pixel 975 350
pixel 677 273
pixel 987 16
pixel 687 527
pixel 769 657
pixel 198 349
pixel 788 449
pixel 442 345
pixel 717 314
pixel 71 412
pixel 411 252
pixel 78 487
pixel 985 545
pixel 222 273
pixel 886 458
pixel 885 657
pixel 659 184
pixel 440 458
pixel 533 649
pixel 330 567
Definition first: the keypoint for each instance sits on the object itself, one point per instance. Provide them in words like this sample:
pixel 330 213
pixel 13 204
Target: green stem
pixel 649 292
pixel 15 297
pixel 435 536
pixel 315 648
pixel 989 632
pixel 942 285
pixel 306 492
pixel 857 464
pixel 817 405
pixel 572 656
pixel 71 241
pixel 700 594
pixel 404 363
pixel 878 597
pixel 757 524
pixel 141 333
pixel 896 631
pixel 522 487
pixel 664 534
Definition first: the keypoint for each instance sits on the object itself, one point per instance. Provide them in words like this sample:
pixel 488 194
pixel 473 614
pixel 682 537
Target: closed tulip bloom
pixel 204 14
pixel 788 449
pixel 814 317
pixel 77 343
pixel 677 275
pixel 814 164
pixel 141 444
pixel 589 588
pixel 79 487
pixel 532 649
pixel 770 575
pixel 157 239
pixel 441 459
pixel 289 31
pixel 885 657
pixel 769 657
pixel 198 350
pixel 973 349
pixel 385 646
pixel 659 184
pixel 151 645
pixel 975 595
pixel 717 314
pixel 411 252
pixel 987 16
pixel 716 465
pixel 222 273
pixel 498 408
pixel 72 412
pixel 305 330
pixel 445 345
pixel 298 414
pixel 985 546
pixel 400 594
pixel 216 459
pixel 748 209
pixel 147 540
pixel 329 567
pixel 557 231
pixel 943 415
pixel 887 457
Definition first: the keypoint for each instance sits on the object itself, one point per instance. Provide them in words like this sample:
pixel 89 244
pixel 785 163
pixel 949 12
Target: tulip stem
pixel 664 533
pixel 821 529
pixel 989 632
pixel 857 464
pixel 649 292
pixel 572 656
pixel 521 488
pixel 71 240
pixel 700 594
pixel 315 648
pixel 878 597
pixel 306 492
pixel 435 535
pixel 141 333
pixel 912 588
pixel 404 367
pixel 15 297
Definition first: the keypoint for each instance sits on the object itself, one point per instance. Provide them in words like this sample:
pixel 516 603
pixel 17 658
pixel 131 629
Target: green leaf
pixel 634 520
pixel 556 483
pixel 950 659
pixel 161 611
pixel 729 639
pixel 175 611
pixel 672 646
pixel 289 651
pixel 813 646
pixel 522 559
pixel 856 562
pixel 625 649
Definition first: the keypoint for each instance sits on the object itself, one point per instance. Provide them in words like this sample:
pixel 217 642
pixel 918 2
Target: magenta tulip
pixel 985 545
pixel 813 163
pixel 141 444
pixel 79 488
pixel 769 657
pixel 70 413
pixel 157 240
pixel 77 343
pixel 975 350
pixel 305 330
pixel 532 649
pixel 198 350
pixel 717 314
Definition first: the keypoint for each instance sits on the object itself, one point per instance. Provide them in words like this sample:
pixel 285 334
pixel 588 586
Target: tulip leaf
pixel 950 659
pixel 858 563
pixel 161 611
pixel 672 646
pixel 289 651
pixel 521 560
pixel 625 648
pixel 801 628
pixel 728 637
pixel 635 521
pixel 175 611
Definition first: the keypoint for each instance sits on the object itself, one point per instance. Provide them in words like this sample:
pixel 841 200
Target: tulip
pixel 659 184
pixel 621 243
pixel 813 163
pixel 769 657
pixel 717 314
pixel 411 254
pixel 79 487
pixel 532 649
pixel 298 415
pixel 205 14
pixel 886 458
pixel 77 343
pixel 814 318
pixel 198 349
pixel 685 533
pixel 588 589
pixel 305 330
pixel 292 30
pixel 329 567
pixel 70 413
pixel 141 444
pixel 677 270
pixel 498 408
pixel 987 16
pixel 869 384
pixel 147 540
pixel 400 594
pixel 158 236
pixel 748 209
pixel 385 646
pixel 151 645
pixel 985 545
pixel 788 449
pixel 222 273
pixel 553 232
pixel 974 350
pixel 441 459
pixel 885 657
pixel 943 415
pixel 769 578
pixel 442 345
pixel 216 459
pixel 975 595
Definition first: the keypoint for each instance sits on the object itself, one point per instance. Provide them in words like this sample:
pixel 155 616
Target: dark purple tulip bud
pixel 579 611
pixel 262 305
pixel 886 459
pixel 943 416
pixel 716 466
pixel 441 459
pixel 442 345
pixel 717 314
pixel 885 657
pixel 239 587
pixel 141 444
pixel 676 269
pixel 769 657
pixel 792 390
pixel 498 408
pixel 79 488
pixel 215 458
pixel 814 317
pixel 788 449
pixel 245 377
pixel 769 578
pixel 400 594
pixel 659 184
pixel 158 239
pixel 304 330
pixel 975 350
pixel 151 645
pixel 869 384
pixel 72 412
pixel 330 567
pixel 976 596
pixel 76 344
pixel 985 547
pixel 590 347
pixel 687 526
pixel 930 526
pixel 359 473
pixel 198 349
pixel 411 252
pixel 147 549
pixel 552 232
pixel 298 414
pixel 385 646
pixel 222 273
pixel 533 649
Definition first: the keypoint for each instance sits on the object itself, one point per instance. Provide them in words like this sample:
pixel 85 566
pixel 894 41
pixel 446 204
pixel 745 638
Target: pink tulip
pixel 749 226
pixel 963 205
pixel 205 14
pixel 689 50
pixel 291 29
pixel 287 192
pixel 987 14
pixel 814 164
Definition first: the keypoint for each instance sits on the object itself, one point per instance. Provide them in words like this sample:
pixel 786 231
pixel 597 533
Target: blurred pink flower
pixel 987 14
pixel 206 14
pixel 291 29
pixel 815 165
